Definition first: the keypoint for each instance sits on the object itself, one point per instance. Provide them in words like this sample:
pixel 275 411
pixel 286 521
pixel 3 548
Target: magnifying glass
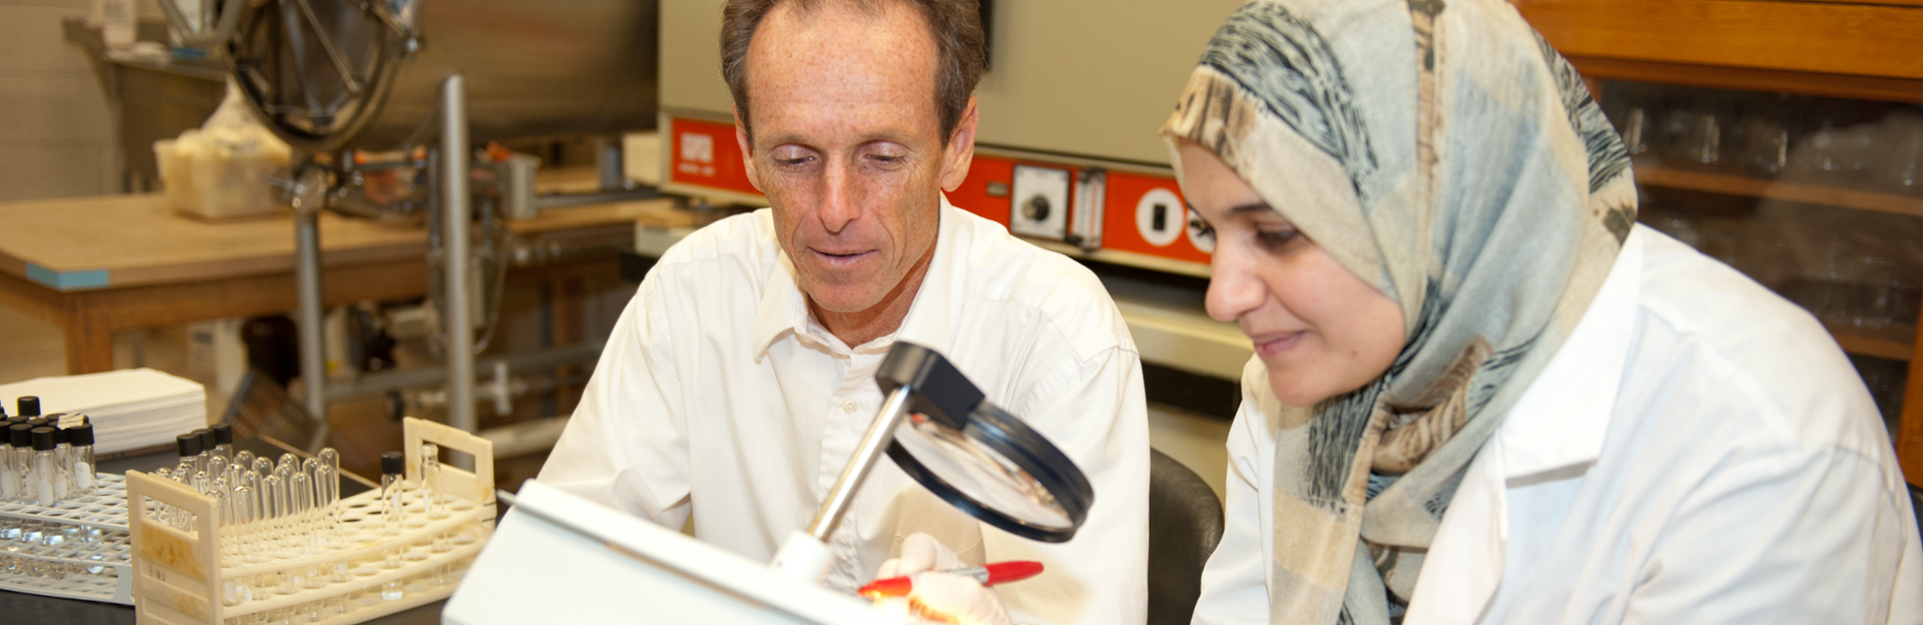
pixel 940 429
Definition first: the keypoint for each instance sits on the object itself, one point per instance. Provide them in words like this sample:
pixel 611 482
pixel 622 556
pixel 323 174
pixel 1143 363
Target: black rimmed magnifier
pixel 939 428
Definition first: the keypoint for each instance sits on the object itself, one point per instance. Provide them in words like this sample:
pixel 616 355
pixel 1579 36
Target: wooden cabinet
pixel 1784 138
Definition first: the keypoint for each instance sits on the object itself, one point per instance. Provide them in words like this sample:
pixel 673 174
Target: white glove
pixel 939 597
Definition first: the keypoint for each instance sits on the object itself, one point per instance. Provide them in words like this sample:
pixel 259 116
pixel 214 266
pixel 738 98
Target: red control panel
pixel 1037 197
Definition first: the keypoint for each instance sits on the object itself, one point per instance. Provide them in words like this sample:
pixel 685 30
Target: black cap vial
pixel 43 439
pixel 80 435
pixel 20 435
pixel 188 444
pixel 29 405
pixel 393 463
pixel 223 434
pixel 206 439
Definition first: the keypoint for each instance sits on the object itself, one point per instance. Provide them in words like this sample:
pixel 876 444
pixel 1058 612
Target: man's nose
pixel 838 205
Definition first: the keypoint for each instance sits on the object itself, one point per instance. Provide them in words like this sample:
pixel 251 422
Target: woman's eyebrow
pixel 1250 208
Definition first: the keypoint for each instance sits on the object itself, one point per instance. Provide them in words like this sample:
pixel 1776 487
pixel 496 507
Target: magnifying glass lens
pixel 980 473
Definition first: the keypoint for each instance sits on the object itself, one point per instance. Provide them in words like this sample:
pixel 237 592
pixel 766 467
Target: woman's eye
pixel 1273 239
pixel 1202 229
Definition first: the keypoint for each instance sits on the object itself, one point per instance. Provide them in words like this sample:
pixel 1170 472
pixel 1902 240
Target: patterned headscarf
pixel 1444 153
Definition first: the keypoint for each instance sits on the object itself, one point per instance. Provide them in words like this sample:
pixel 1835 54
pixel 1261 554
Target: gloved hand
pixel 940 597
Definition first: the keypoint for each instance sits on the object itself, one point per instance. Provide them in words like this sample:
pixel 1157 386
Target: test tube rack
pixel 184 577
pixel 77 548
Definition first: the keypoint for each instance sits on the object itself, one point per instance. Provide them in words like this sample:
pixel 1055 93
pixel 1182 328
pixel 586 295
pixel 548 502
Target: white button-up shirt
pixel 719 394
pixel 1699 451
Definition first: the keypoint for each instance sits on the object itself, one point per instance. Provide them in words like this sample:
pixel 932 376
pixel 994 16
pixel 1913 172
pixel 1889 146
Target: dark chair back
pixel 1184 524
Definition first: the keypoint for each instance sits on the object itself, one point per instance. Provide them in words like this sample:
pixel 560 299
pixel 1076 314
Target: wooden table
pixel 100 265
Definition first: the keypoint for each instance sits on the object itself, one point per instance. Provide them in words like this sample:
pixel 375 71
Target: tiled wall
pixel 56 134
pixel 56 128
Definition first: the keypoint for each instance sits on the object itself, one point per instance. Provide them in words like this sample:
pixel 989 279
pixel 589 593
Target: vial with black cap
pixel 84 470
pixel 18 456
pixel 29 406
pixel 224 441
pixel 188 445
pixel 207 442
pixel 62 461
pixel 44 469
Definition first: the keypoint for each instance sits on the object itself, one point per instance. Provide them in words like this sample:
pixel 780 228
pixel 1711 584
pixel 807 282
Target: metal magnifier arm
pixel 916 379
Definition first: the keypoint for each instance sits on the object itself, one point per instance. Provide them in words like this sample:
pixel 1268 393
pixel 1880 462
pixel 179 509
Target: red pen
pixel 987 574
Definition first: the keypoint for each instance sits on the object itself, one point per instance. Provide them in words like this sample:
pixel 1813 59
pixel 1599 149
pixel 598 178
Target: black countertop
pixel 30 609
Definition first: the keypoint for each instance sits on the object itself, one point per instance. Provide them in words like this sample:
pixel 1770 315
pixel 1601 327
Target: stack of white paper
pixel 130 409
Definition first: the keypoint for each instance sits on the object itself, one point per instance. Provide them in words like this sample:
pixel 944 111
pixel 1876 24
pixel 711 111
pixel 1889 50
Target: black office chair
pixel 1916 504
pixel 1184 524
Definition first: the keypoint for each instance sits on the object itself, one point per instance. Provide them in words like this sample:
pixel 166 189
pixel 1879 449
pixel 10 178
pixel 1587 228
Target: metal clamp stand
pixel 457 317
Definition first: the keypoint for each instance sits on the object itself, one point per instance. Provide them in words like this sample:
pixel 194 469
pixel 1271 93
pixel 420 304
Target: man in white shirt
pixel 740 378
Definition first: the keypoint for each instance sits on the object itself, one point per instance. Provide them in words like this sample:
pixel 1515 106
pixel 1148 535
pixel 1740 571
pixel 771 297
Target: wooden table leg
pixel 1909 439
pixel 565 293
pixel 89 337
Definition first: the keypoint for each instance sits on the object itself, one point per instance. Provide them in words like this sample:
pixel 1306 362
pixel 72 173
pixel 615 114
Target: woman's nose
pixel 1234 289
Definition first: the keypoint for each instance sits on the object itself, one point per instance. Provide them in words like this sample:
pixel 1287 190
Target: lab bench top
pixel 135 240
pixel 99 265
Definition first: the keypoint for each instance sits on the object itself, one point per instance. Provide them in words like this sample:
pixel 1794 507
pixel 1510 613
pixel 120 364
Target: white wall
pixel 56 132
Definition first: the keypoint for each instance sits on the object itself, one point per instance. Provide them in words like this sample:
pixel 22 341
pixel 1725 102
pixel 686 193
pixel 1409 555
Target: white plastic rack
pixel 263 572
pixel 76 549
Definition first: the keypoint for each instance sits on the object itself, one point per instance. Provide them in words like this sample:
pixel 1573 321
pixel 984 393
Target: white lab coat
pixel 720 397
pixel 1699 451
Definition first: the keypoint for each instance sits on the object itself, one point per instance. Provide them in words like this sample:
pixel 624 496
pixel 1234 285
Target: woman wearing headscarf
pixel 1481 392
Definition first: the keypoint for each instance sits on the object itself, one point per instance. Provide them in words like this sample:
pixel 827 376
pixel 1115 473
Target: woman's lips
pixel 1272 345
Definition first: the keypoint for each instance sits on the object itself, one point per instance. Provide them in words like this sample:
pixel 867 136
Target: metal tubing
pixel 873 445
pixel 377 383
pixel 456 316
pixel 307 279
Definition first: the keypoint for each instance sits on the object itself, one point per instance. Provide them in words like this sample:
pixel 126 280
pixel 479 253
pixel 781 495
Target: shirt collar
pixel 783 309
pixel 1563 418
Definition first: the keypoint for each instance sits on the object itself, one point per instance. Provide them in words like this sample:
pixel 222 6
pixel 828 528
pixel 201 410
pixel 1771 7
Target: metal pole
pixel 611 165
pixel 873 445
pixel 457 319
pixel 307 280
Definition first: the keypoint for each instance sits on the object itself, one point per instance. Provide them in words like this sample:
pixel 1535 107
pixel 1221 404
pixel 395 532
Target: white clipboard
pixel 558 558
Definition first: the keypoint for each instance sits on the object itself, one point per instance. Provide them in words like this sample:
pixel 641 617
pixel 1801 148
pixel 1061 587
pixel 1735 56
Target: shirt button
pixel 848 406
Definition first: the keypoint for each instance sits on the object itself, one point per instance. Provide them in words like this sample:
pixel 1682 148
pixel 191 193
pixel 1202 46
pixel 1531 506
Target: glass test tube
pixel 243 460
pixel 254 541
pixel 392 466
pixel 85 472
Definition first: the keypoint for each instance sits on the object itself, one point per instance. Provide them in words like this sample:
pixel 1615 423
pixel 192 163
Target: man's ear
pixel 747 148
pixel 961 150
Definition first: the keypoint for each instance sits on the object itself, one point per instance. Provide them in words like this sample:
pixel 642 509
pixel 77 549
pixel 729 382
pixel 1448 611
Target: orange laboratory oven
pixel 1102 210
